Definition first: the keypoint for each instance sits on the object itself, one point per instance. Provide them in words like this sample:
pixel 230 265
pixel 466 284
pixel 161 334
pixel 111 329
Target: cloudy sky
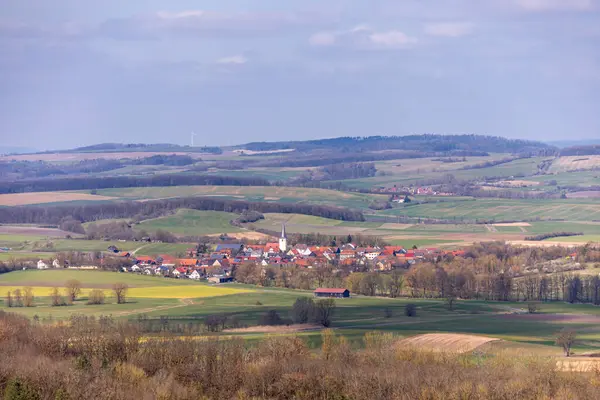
pixel 76 72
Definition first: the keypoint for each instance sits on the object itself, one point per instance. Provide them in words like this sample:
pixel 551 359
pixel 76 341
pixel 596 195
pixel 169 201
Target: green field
pixel 250 193
pixel 188 302
pixel 576 239
pixel 502 210
pixel 24 255
pixel 192 222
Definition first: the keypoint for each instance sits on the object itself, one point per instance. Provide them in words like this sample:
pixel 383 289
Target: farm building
pixel 220 279
pixel 325 292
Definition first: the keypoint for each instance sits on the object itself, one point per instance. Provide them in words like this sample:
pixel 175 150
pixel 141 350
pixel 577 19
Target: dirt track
pixel 447 342
pixel 21 199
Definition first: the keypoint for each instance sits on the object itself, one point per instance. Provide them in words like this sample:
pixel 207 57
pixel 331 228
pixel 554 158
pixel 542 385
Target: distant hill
pixel 574 143
pixel 16 150
pixel 139 147
pixel 427 142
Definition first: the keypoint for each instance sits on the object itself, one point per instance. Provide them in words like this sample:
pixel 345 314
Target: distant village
pixel 218 265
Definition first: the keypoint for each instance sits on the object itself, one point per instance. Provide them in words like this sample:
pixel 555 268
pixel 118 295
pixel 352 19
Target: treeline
pixel 156 147
pixel 134 209
pixel 421 143
pixel 545 236
pixel 88 358
pixel 488 164
pixel 93 183
pixel 41 169
pixel 593 149
pixel 348 171
pixel 322 158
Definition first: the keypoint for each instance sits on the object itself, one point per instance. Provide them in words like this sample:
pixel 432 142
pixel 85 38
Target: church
pixel 283 240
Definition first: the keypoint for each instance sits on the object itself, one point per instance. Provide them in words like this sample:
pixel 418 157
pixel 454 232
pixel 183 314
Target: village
pixel 218 266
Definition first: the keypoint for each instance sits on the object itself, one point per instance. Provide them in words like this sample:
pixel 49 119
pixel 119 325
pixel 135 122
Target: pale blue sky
pixel 76 72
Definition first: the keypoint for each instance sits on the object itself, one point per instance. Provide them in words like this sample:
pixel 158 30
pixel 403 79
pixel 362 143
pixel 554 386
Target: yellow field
pixel 183 292
pixel 155 292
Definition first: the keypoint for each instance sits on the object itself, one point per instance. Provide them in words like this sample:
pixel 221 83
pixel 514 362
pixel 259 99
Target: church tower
pixel 283 240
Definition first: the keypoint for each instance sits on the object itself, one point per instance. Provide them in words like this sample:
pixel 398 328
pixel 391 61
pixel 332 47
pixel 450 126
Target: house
pixel 195 275
pixel 145 260
pixel 135 268
pixel 272 248
pixel 179 272
pixel 56 264
pixel 42 265
pixel 187 262
pixel 124 254
pixel 220 279
pixel 347 254
pixel 372 254
pixel 328 292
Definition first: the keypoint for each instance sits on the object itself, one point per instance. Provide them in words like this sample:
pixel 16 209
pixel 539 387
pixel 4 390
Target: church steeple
pixel 283 239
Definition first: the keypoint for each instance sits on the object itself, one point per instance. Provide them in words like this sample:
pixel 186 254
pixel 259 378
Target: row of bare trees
pixel 72 291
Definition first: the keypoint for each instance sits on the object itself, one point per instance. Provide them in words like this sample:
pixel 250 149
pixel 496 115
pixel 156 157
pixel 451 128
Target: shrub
pixel 387 312
pixel 303 310
pixel 19 390
pixel 410 310
pixel 271 318
pixel 324 310
pixel 532 307
pixel 96 296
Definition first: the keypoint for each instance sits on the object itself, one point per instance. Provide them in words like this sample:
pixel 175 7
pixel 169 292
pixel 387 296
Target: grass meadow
pixel 185 302
pixel 192 222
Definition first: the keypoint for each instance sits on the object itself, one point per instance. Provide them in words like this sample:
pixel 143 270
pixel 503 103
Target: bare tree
pixel 28 297
pixel 18 300
pixel 396 283
pixel 73 288
pixel 120 290
pixel 9 299
pixel 566 338
pixel 324 311
pixel 57 298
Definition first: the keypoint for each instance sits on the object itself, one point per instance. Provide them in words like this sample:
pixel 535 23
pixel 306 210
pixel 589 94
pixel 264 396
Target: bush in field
pixel 271 318
pixel 303 310
pixel 324 310
pixel 57 299
pixel 410 310
pixel 28 297
pixel 95 297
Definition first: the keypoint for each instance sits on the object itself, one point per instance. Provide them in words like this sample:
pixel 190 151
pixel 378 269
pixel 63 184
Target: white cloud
pixel 391 39
pixel 234 60
pixel 322 39
pixel 363 37
pixel 449 29
pixel 555 5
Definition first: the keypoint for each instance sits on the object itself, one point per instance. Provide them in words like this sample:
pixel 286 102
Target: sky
pixel 78 72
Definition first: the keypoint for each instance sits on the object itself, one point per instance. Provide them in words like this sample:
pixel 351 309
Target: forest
pixel 421 143
pixel 91 183
pixel 156 208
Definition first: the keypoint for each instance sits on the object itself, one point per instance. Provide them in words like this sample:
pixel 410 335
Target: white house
pixel 195 275
pixel 42 265
pixel 135 268
pixel 56 264
pixel 372 254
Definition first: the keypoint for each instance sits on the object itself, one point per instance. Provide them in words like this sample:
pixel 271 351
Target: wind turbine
pixel 192 138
